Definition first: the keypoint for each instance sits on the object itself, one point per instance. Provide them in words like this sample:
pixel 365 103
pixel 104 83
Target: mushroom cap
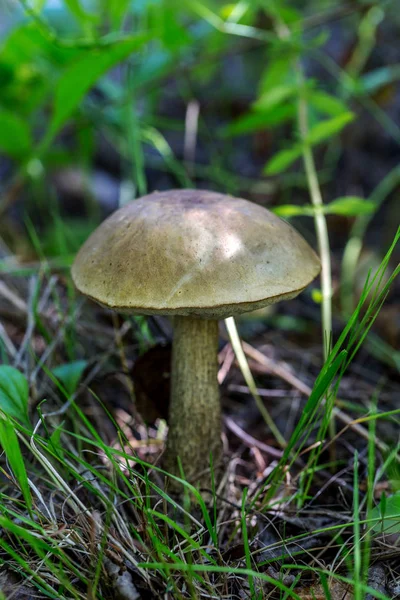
pixel 193 252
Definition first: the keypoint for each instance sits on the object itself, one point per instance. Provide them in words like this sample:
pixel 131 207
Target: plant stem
pixel 321 228
pixel 319 219
pixel 248 377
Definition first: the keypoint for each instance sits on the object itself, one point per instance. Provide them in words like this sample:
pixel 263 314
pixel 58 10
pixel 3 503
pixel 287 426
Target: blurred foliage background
pixel 105 100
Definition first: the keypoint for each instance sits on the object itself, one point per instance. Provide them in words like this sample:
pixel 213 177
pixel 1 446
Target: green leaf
pixel 80 76
pixel 322 383
pixel 274 97
pixel 27 48
pixel 292 210
pixel 70 374
pixel 15 135
pixel 388 512
pixel 81 15
pixel 55 441
pixel 258 121
pixel 288 14
pixel 10 444
pixel 327 104
pixel 327 129
pixel 376 79
pixel 173 34
pixel 278 72
pixel 350 206
pixel 320 132
pixel 116 10
pixel 282 160
pixel 14 394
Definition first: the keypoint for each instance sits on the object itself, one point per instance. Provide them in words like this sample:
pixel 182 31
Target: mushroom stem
pixel 195 410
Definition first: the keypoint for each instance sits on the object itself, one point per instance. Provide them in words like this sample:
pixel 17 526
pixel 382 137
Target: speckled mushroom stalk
pixel 195 410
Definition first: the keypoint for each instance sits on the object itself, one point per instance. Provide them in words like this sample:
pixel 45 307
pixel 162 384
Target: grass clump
pixel 85 511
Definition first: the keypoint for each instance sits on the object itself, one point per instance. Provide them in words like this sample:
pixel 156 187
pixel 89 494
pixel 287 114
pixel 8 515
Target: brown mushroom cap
pixel 193 252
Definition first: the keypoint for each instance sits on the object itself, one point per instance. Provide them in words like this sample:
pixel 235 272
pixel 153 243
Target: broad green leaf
pixel 278 72
pixel 282 160
pixel 80 76
pixel 260 120
pixel 274 97
pixel 319 133
pixel 70 374
pixel 388 512
pixel 15 135
pixel 327 104
pixel 27 46
pixel 14 394
pixel 350 206
pixel 327 129
pixel 10 444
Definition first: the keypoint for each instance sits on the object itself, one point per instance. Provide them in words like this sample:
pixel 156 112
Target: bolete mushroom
pixel 197 256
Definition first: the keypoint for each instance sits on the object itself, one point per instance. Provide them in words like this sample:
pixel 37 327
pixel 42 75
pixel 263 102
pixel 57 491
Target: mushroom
pixel 197 256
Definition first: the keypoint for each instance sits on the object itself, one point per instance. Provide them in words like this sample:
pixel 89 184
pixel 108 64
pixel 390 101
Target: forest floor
pixel 85 508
